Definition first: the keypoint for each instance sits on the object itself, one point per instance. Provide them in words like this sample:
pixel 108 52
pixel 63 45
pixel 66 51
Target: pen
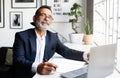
pixel 45 60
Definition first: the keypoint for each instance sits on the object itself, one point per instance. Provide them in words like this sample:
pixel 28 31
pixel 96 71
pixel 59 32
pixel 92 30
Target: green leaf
pixel 88 28
pixel 76 12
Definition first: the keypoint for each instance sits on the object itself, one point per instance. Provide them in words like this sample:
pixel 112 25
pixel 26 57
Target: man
pixel 34 47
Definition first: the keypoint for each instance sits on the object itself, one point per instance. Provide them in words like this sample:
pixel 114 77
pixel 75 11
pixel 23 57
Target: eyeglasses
pixel 43 15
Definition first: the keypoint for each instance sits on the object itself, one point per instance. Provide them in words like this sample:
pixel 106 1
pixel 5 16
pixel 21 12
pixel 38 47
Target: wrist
pixel 86 56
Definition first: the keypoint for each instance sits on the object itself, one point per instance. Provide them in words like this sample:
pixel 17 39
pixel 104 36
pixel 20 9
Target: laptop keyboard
pixel 79 73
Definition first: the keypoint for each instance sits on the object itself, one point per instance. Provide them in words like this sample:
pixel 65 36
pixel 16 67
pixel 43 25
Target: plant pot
pixel 76 38
pixel 88 39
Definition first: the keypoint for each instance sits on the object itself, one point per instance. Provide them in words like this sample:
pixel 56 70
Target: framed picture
pixel 16 20
pixel 1 14
pixel 61 8
pixel 24 3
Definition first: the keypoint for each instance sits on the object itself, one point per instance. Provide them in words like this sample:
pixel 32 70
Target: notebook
pixel 101 63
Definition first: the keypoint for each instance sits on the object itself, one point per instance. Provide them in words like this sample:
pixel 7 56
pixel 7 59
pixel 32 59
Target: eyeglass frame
pixel 43 15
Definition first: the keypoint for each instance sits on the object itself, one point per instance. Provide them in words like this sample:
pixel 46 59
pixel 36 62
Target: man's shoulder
pixel 26 31
pixel 51 33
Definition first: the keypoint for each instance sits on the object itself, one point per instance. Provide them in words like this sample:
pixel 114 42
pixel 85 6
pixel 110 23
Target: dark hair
pixel 37 12
pixel 43 6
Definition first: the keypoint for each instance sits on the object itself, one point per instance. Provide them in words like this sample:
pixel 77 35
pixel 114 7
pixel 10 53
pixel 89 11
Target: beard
pixel 41 26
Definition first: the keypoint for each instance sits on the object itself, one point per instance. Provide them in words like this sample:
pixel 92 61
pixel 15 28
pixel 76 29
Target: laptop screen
pixel 101 62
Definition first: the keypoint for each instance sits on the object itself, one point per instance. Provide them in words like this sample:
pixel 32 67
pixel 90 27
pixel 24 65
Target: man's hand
pixel 88 56
pixel 45 68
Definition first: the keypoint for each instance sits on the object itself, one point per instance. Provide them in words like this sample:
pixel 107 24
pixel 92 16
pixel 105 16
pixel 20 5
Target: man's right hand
pixel 46 67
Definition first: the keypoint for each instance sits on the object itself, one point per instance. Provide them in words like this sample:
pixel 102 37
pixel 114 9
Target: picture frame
pixel 60 8
pixel 16 20
pixel 1 13
pixel 24 3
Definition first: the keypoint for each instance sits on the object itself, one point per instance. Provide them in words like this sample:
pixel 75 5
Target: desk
pixel 65 65
pixel 80 47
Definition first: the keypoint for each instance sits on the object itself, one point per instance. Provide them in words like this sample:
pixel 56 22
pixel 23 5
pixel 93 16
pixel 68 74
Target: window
pixel 107 23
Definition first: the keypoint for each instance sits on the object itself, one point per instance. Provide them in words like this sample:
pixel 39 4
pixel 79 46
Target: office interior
pixel 104 17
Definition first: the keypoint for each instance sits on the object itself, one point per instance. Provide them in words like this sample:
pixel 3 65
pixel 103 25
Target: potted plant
pixel 75 13
pixel 88 36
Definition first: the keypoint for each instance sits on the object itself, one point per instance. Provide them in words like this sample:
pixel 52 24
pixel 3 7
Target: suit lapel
pixel 32 40
pixel 45 52
pixel 46 57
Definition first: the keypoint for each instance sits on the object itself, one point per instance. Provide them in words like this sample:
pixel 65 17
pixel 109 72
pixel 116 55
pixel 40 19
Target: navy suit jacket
pixel 24 51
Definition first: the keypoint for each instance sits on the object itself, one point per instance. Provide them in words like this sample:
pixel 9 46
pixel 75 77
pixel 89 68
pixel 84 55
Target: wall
pixel 7 34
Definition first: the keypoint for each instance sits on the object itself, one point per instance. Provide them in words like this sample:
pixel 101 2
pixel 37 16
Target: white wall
pixel 7 34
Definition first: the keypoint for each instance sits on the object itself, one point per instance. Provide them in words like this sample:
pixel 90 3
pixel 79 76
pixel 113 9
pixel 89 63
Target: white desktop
pixel 66 65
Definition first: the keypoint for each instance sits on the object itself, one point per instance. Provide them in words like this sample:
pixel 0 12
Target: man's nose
pixel 46 18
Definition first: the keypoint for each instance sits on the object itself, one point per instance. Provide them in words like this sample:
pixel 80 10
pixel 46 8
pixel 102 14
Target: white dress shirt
pixel 40 51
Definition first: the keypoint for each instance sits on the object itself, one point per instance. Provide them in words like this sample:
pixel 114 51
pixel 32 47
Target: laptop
pixel 101 63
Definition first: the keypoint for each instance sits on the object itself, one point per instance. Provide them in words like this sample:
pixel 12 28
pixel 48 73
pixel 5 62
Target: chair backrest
pixel 3 51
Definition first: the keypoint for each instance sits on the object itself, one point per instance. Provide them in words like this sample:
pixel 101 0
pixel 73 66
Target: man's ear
pixel 34 17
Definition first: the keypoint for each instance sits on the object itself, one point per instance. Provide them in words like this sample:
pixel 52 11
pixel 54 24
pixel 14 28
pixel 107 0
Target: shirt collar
pixel 39 36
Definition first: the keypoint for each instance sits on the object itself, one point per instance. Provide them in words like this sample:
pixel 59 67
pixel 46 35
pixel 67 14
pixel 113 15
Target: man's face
pixel 43 19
